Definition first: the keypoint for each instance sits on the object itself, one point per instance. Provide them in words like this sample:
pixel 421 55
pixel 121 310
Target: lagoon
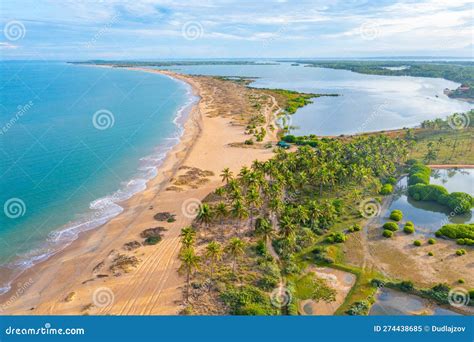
pixel 367 102
pixel 428 217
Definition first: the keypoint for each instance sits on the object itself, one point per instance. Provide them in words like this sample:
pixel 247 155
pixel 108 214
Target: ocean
pixel 76 141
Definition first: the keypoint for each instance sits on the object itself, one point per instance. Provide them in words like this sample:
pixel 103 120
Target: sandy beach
pixel 98 273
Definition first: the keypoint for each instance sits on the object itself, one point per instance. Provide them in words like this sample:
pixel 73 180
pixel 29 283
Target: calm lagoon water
pixel 367 102
pixel 61 170
pixel 391 302
pixel 428 217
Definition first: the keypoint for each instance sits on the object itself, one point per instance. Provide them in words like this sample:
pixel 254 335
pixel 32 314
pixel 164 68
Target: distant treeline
pixel 459 71
pixel 167 63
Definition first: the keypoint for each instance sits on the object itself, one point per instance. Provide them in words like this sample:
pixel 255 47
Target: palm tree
pixel 205 214
pixel 189 264
pixel 226 175
pixel 254 201
pixel 221 211
pixel 235 248
pixel 264 228
pixel 239 211
pixel 287 227
pixel 188 237
pixel 214 254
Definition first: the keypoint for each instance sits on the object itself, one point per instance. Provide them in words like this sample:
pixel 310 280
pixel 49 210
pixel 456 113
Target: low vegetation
pixel 420 190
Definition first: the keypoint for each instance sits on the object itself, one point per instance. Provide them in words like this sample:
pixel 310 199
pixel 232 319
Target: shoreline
pixel 70 272
pixel 190 130
pixel 113 205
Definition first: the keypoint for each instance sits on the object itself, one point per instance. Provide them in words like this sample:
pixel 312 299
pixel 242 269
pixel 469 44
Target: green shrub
pixel 465 241
pixel 427 192
pixel 460 252
pixel 431 241
pixel 289 139
pixel 406 286
pixel 409 228
pixel 267 282
pixel 261 248
pixel 391 226
pixel 391 180
pixel 458 202
pixel 430 253
pixel 461 281
pixel 355 228
pixel 359 308
pixel 419 174
pixel 457 231
pixel 386 189
pixel 152 240
pixel 248 142
pixel 396 215
pixel 420 189
pixel 417 243
pixel 387 233
pixel 247 300
pixel 336 237
pixel 471 294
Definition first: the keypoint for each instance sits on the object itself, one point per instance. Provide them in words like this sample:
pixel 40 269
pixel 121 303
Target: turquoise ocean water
pixel 75 141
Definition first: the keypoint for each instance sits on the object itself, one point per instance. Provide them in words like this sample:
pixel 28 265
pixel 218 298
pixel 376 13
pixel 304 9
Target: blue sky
pixel 156 29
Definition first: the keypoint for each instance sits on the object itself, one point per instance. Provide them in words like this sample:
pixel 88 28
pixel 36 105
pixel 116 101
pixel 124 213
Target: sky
pixel 161 29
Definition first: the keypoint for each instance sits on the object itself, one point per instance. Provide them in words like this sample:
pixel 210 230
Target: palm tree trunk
pixel 188 275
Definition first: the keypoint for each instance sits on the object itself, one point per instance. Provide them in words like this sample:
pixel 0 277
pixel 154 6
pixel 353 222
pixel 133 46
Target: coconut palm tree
pixel 189 264
pixel 188 237
pixel 264 228
pixel 226 175
pixel 253 201
pixel 235 248
pixel 221 211
pixel 204 214
pixel 287 227
pixel 239 211
pixel 213 254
